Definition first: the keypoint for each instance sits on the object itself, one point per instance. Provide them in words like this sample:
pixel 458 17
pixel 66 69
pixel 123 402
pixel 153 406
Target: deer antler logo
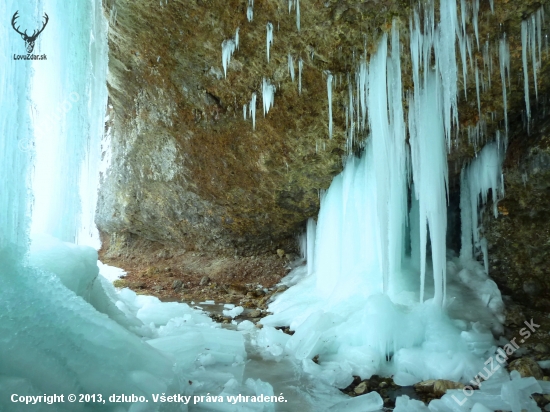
pixel 29 40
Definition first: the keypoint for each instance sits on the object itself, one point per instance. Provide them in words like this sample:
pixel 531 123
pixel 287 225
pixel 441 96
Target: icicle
pixel 300 67
pixel 291 67
pixel 446 61
pixel 237 38
pixel 268 95
pixel 228 48
pixel 477 92
pixel 252 110
pixel 289 6
pixel 463 48
pixel 482 175
pixel 329 94
pixel 269 38
pixel 524 35
pixel 469 48
pixel 538 24
pixel 504 62
pixel 244 111
pixel 250 10
pixel 463 13
pixel 298 14
pixel 475 16
pixel 533 41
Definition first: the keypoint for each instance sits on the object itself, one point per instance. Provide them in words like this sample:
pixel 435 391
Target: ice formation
pixel 291 67
pixel 369 300
pixel 250 10
pixel 329 95
pixel 252 110
pixel 504 62
pixel 268 95
pixel 228 48
pixel 531 34
pixel 269 38
pixel 482 175
pixel 366 305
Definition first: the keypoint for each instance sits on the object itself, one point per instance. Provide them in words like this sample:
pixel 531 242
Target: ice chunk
pixel 405 404
pixel 372 401
pixel 478 407
pixel 245 325
pixel 272 342
pixel 236 311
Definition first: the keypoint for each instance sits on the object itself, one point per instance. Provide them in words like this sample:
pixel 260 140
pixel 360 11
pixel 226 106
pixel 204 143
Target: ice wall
pixel 16 139
pixel 69 95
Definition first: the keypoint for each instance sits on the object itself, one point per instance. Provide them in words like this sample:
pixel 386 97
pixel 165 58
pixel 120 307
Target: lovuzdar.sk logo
pixel 29 40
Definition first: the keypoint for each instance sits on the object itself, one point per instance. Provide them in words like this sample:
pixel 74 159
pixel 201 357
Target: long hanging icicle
pixel 446 61
pixel 524 38
pixel 504 62
pixel 329 94
pixel 475 13
pixel 269 38
pixel 268 95
pixel 291 67
pixel 228 48
pixel 252 110
pixel 250 10
pixel 431 108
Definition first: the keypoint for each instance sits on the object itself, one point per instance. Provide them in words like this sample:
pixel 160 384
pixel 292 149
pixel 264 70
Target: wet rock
pixel 361 388
pixel 437 387
pixel 255 313
pixel 526 367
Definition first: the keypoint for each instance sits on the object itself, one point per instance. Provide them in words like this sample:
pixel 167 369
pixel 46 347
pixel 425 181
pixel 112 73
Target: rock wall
pixel 519 238
pixel 189 172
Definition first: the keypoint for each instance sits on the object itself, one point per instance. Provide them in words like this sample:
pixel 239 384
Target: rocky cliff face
pixel 519 239
pixel 190 172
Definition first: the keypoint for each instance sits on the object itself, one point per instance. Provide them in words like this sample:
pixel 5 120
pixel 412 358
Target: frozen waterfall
pixel 372 299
